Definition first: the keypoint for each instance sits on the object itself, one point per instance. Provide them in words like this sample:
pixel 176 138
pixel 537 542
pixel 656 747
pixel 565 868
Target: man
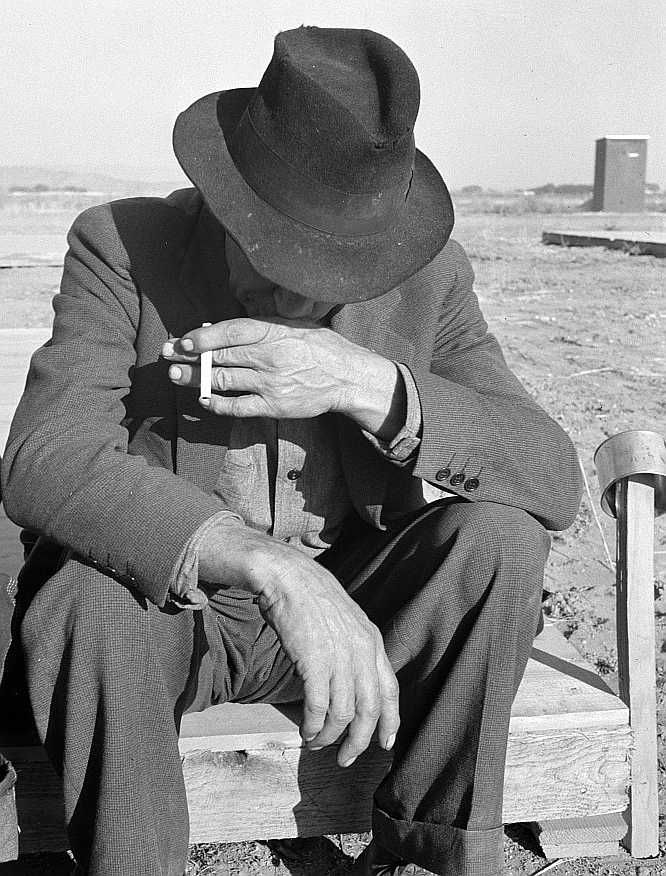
pixel 351 363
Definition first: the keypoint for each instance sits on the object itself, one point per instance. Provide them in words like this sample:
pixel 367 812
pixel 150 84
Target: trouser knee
pixel 79 604
pixel 83 630
pixel 483 554
pixel 503 543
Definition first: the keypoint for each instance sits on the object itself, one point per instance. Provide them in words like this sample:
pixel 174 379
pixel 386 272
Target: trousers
pixel 455 589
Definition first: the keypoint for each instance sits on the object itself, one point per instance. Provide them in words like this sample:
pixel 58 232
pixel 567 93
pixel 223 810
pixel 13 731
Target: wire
pixel 596 516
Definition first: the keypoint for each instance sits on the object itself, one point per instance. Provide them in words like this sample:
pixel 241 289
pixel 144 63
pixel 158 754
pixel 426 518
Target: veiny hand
pixel 338 653
pixel 285 369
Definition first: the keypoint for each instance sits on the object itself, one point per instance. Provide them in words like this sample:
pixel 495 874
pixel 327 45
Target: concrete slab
pixel 633 241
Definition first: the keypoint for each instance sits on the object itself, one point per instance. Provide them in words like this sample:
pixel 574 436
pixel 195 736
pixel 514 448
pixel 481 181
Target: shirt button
pixel 442 474
pixel 472 484
pixel 457 479
pixel 294 474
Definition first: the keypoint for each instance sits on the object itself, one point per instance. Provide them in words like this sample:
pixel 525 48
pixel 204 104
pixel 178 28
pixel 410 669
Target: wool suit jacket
pixel 107 458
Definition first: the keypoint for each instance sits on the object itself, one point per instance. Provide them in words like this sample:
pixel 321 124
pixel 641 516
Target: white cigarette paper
pixel 206 365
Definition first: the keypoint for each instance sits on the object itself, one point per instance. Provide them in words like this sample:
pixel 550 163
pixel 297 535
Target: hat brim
pixel 319 265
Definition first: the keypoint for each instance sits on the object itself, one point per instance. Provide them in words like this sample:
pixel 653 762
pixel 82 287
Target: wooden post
pixel 634 504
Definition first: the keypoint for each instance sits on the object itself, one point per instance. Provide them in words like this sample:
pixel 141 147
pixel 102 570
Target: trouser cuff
pixel 441 848
pixel 8 823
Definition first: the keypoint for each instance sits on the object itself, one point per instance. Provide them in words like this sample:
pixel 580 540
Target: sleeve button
pixel 457 479
pixel 442 474
pixel 471 484
pixel 293 474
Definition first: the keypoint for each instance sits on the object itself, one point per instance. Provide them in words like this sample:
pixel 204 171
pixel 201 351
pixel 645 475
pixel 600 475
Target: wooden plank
pixel 566 773
pixel 560 690
pixel 41 813
pixel 247 776
pixel 594 836
pixel 236 727
pixel 640 242
pixel 8 824
pixel 280 791
pixel 293 792
pixel 636 654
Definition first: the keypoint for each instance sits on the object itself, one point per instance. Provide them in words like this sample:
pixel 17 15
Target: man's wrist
pixel 238 556
pixel 378 400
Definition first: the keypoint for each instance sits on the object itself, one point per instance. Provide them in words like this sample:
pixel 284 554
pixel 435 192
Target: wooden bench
pixel 247 776
pixel 569 764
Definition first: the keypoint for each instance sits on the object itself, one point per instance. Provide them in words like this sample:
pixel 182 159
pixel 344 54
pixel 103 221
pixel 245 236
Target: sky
pixel 513 93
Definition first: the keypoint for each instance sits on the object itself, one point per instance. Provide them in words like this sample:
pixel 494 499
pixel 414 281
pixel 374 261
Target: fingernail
pixel 175 372
pixel 390 742
pixel 348 762
pixel 309 738
pixel 204 401
pixel 167 349
pixel 187 344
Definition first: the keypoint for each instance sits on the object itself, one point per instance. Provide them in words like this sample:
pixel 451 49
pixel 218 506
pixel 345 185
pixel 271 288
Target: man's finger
pixel 389 695
pixel 315 707
pixel 171 350
pixel 222 379
pixel 237 406
pixel 229 333
pixel 363 725
pixel 185 375
pixel 341 710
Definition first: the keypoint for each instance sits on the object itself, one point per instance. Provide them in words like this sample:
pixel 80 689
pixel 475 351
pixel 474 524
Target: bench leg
pixel 636 655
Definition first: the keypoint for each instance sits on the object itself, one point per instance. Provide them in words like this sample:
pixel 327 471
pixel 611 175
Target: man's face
pixel 261 297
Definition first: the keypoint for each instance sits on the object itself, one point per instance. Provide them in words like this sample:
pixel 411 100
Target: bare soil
pixel 584 330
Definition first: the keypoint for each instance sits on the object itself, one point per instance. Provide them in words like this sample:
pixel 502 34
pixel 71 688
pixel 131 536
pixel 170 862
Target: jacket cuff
pixel 404 445
pixel 185 575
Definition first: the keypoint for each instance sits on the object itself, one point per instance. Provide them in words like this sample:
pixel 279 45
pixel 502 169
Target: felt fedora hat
pixel 314 173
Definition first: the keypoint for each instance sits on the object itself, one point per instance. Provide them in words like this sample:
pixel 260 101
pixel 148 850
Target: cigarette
pixel 206 363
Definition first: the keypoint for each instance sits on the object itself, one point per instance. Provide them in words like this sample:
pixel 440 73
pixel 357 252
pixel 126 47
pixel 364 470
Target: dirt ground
pixel 584 330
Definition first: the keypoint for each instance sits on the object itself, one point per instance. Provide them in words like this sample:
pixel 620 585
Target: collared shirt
pixel 284 478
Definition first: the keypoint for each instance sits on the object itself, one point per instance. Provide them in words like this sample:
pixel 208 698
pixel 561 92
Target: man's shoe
pixel 377 861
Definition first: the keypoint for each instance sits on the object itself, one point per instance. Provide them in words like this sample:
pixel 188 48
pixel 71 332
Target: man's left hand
pixel 285 369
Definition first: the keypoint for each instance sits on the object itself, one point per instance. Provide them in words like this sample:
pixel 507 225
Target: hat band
pixel 306 200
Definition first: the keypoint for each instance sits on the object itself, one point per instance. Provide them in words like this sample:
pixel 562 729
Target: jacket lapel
pixel 203 437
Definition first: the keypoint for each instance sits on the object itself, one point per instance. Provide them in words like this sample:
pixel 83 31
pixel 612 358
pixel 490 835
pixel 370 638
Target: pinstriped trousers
pixel 455 589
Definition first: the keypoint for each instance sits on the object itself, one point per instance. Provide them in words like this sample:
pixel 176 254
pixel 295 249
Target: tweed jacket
pixel 109 459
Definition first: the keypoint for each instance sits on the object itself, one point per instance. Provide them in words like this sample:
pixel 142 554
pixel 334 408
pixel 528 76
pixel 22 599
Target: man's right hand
pixel 338 652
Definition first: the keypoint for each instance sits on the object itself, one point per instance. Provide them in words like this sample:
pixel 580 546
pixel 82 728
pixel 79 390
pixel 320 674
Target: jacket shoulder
pixel 117 229
pixel 449 269
pixel 452 256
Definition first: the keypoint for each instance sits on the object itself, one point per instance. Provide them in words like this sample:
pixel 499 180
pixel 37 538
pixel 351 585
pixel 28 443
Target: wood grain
pixel 636 649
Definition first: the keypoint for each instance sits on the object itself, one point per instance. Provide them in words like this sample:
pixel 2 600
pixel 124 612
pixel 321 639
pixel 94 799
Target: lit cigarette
pixel 206 371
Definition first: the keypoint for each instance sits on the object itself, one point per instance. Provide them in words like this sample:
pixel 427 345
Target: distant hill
pixel 54 178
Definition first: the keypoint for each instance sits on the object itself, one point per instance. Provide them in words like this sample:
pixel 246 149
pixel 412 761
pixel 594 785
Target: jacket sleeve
pixel 483 436
pixel 66 472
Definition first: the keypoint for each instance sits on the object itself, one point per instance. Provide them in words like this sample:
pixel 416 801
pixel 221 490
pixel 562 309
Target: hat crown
pixel 340 105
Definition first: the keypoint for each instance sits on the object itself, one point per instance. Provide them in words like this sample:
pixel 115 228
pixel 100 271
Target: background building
pixel 619 174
